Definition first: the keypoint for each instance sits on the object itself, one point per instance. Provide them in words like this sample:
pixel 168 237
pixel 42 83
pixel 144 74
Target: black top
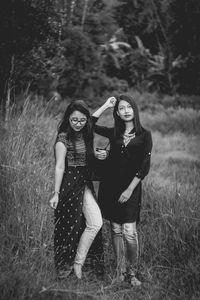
pixel 123 164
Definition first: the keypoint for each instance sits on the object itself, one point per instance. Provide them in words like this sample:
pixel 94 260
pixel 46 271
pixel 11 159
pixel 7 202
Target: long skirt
pixel 70 221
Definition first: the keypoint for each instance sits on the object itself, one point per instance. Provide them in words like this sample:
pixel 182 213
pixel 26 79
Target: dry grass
pixel 169 229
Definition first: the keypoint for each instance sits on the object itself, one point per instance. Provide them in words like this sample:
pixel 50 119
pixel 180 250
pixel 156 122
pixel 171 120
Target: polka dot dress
pixel 69 220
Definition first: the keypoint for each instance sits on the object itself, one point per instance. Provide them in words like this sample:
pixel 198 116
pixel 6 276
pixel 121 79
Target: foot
pixel 120 278
pixel 135 281
pixel 78 270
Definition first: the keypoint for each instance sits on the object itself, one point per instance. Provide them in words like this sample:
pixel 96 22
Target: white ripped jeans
pixel 94 223
pixel 126 253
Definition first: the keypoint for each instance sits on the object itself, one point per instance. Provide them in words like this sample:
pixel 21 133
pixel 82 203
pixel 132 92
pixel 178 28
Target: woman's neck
pixel 75 135
pixel 128 126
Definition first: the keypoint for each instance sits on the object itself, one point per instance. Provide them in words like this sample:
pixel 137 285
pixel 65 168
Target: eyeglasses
pixel 75 121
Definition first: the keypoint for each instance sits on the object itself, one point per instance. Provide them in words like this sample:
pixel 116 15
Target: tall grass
pixel 169 230
pixel 26 179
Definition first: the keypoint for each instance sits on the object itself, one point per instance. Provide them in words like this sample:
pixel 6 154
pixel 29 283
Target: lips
pixel 78 128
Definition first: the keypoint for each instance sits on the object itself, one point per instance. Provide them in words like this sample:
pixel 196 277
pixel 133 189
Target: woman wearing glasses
pixel 77 215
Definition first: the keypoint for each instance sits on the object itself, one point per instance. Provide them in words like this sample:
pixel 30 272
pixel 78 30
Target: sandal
pixel 134 281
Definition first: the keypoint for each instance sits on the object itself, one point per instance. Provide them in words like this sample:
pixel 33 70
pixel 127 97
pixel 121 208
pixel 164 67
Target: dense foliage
pixel 87 48
pixel 24 25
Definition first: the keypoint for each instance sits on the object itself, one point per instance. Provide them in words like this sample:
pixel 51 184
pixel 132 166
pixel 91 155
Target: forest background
pixel 53 51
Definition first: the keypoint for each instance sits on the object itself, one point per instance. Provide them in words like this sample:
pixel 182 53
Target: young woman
pixel 77 216
pixel 120 190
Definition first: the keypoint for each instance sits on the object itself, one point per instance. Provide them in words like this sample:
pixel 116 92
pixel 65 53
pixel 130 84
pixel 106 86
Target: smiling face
pixel 77 120
pixel 125 111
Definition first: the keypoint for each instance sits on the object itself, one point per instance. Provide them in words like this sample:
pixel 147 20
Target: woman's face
pixel 77 120
pixel 125 111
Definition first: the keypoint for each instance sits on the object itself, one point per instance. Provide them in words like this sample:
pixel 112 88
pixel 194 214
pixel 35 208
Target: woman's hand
pixel 54 201
pixel 101 154
pixel 125 195
pixel 110 102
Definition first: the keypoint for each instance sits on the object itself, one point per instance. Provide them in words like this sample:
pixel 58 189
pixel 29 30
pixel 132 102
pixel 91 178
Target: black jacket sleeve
pixel 145 165
pixel 102 130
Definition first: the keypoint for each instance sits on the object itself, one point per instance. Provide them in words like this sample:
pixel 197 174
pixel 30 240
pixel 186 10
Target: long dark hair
pixel 87 130
pixel 119 123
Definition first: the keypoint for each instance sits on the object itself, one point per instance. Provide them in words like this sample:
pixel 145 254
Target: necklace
pixel 127 137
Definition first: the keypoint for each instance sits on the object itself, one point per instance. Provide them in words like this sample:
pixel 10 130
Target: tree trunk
pixel 84 12
pixel 9 89
pixel 166 47
pixel 72 7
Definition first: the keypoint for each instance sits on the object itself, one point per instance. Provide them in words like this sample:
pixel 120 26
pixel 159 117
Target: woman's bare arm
pixel 110 102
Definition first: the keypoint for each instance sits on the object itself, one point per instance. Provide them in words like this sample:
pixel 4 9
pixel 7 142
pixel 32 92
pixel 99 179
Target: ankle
pixel 78 270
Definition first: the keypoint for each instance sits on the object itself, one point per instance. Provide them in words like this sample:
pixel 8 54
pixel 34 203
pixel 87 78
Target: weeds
pixel 169 230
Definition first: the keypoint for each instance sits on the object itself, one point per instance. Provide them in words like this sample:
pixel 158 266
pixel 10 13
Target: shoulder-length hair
pixel 87 130
pixel 119 124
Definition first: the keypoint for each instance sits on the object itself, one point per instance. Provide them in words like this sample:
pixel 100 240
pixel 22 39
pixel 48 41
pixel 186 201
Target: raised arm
pixel 103 130
pixel 110 102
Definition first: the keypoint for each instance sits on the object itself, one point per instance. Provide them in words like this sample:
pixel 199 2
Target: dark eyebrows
pixel 124 105
pixel 75 118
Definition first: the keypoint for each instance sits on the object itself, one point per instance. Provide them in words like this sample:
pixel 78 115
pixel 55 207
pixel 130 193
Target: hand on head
pixel 111 101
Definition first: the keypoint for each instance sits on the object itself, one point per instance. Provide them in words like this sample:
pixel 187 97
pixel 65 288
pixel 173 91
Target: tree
pixel 185 44
pixel 23 25
pixel 79 64
pixel 167 28
pixel 91 28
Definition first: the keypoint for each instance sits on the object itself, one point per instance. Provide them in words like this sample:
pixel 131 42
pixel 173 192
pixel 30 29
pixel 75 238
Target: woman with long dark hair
pixel 77 215
pixel 120 189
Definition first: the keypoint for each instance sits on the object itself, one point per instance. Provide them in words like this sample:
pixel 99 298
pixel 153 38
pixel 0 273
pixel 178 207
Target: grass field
pixel 169 231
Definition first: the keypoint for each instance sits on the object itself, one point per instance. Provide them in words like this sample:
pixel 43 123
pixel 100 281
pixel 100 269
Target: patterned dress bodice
pixel 74 159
